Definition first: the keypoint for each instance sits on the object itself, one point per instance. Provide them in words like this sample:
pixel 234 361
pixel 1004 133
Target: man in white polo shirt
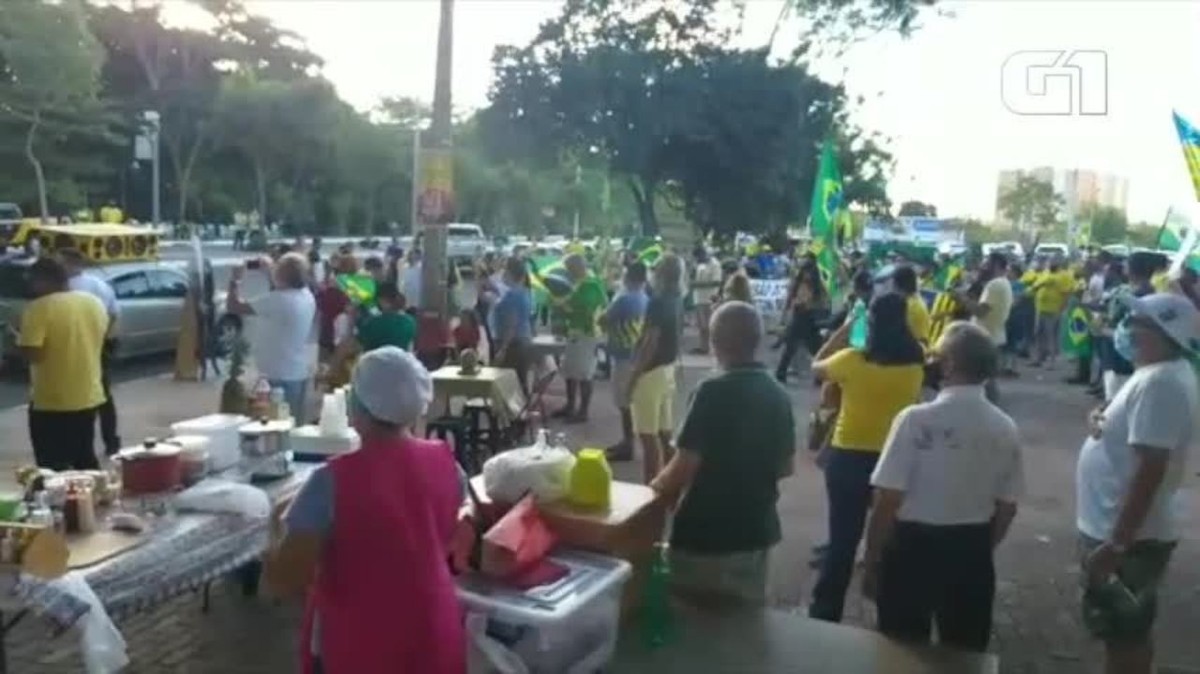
pixel 946 490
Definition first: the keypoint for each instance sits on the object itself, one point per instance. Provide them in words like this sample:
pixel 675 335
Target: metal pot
pixel 265 438
pixel 151 468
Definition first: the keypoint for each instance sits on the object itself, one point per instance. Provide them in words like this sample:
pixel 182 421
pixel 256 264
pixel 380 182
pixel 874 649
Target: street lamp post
pixel 153 122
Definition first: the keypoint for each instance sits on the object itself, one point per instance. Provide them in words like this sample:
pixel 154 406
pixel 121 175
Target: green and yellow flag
pixel 360 288
pixel 825 215
pixel 1077 331
pixel 1189 138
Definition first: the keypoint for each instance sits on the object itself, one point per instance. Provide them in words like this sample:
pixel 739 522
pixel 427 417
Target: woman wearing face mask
pixel 370 534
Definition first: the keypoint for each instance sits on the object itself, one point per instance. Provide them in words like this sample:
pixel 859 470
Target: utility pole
pixel 415 212
pixel 437 207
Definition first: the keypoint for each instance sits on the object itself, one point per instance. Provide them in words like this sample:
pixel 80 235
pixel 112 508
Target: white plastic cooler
pixel 566 627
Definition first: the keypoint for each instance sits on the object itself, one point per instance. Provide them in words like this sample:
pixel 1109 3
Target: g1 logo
pixel 1055 83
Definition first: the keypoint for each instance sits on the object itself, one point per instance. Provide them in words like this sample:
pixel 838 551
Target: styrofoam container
pixel 224 450
pixel 566 627
pixel 308 441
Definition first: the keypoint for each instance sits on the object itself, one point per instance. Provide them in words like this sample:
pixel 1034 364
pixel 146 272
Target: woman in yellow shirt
pixel 876 382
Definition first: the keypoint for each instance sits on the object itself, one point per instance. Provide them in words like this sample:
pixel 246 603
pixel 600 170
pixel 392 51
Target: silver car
pixel 150 295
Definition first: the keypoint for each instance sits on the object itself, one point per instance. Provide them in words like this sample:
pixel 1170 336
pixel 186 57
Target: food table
pixel 498 386
pixel 547 345
pixel 628 529
pixel 179 553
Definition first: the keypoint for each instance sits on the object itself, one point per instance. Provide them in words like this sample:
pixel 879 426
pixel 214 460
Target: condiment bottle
pixel 71 511
pixel 262 398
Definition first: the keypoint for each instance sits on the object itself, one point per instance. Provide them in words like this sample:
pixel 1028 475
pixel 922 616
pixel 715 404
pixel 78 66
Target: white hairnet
pixel 392 385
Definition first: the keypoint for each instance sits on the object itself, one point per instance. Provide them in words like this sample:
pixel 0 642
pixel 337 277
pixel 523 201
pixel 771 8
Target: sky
pixel 936 95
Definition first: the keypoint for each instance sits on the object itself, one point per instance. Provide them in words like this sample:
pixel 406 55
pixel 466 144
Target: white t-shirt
pixel 1095 289
pixel 412 285
pixel 953 458
pixel 708 278
pixel 283 325
pixel 1155 408
pixel 997 294
pixel 98 288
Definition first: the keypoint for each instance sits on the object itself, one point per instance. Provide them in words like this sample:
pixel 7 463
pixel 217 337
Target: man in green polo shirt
pixel 581 310
pixel 387 324
pixel 737 441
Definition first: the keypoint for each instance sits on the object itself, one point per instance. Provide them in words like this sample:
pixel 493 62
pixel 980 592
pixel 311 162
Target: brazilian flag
pixel 1076 331
pixel 824 214
pixel 360 288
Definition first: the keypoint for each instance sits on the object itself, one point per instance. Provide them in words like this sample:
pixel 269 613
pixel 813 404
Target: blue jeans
pixel 848 490
pixel 295 394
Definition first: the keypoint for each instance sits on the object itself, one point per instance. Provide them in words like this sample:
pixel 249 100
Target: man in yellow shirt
pixel 1052 289
pixel 62 335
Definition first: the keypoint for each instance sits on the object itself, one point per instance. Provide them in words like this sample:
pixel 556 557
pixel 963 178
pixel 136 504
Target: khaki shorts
pixel 579 358
pixel 653 400
pixel 1127 615
pixel 740 576
pixel 622 372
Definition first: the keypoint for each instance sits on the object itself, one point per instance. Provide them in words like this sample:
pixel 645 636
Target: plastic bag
pixel 101 643
pixel 223 496
pixel 541 470
pixel 485 655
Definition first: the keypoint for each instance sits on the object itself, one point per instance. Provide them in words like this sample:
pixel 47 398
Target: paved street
pixel 1036 632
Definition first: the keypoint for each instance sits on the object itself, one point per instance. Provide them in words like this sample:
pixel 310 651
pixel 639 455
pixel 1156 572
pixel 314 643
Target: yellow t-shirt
pixel 918 318
pixel 872 395
pixel 1053 291
pixel 1161 282
pixel 69 329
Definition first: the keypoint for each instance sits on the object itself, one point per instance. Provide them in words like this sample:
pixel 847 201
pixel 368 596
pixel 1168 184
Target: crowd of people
pixel 922 466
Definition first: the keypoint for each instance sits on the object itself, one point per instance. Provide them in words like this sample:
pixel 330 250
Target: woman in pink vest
pixel 369 536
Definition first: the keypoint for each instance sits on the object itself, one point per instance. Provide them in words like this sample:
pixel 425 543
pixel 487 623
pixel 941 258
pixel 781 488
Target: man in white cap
pixel 1129 475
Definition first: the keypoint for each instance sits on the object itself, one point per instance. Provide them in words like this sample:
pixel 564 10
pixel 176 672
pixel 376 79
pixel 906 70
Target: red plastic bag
pixel 518 542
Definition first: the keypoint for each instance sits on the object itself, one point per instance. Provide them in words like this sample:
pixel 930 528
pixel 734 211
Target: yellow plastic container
pixel 591 480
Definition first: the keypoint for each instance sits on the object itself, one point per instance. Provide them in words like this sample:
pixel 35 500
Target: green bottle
pixel 656 615
pixel 858 325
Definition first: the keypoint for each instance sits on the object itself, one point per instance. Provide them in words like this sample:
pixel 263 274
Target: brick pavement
pixel 1037 629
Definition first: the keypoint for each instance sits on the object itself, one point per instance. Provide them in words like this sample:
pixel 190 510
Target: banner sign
pixel 770 296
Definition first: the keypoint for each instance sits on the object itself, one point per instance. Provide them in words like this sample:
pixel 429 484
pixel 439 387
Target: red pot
pixel 152 468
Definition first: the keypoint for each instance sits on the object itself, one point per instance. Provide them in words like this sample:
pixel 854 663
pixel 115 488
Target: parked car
pixel 150 295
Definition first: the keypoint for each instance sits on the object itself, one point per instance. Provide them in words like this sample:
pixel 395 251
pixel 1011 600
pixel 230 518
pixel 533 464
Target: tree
pixel 1109 225
pixel 599 78
pixel 51 63
pixel 171 71
pixel 917 209
pixel 1030 202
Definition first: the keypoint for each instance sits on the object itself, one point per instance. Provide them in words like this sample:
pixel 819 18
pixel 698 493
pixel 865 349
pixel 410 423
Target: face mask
pixel 1123 341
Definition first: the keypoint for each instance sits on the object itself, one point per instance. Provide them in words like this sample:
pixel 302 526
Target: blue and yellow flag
pixel 824 216
pixel 1076 331
pixel 1189 138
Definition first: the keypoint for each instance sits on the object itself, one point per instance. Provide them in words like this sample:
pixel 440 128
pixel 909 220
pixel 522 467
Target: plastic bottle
pixel 858 325
pixel 262 398
pixel 540 444
pixel 276 399
pixel 657 619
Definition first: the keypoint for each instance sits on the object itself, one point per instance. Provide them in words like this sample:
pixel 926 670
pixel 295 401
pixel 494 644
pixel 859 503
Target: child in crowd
pixel 467 333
